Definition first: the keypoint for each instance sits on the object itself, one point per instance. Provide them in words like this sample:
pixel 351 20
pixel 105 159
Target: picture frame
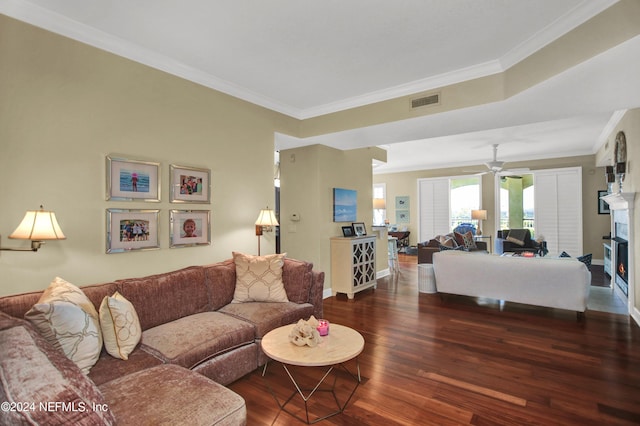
pixel 129 230
pixel 402 202
pixel 347 231
pixel 189 184
pixel 132 180
pixel 402 216
pixel 603 206
pixel 345 206
pixel 189 228
pixel 359 229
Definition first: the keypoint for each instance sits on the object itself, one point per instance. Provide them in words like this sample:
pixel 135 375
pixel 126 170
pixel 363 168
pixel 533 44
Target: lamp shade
pixel 479 214
pixel 38 225
pixel 267 218
pixel 379 203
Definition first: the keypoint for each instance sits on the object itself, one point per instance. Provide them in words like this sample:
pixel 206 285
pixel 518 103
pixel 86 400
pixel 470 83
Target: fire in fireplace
pixel 622 269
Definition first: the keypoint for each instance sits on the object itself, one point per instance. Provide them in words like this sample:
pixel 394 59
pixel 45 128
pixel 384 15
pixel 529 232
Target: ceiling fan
pixel 496 166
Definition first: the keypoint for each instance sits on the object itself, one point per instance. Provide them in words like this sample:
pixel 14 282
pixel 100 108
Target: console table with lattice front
pixel 353 264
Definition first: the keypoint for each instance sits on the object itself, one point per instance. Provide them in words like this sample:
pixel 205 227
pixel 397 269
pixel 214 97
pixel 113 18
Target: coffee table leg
pixel 311 392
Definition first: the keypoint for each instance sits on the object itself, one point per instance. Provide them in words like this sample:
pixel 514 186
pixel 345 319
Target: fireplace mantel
pixel 620 200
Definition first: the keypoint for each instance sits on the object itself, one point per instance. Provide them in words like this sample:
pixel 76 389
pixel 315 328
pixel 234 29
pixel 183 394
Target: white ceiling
pixel 306 58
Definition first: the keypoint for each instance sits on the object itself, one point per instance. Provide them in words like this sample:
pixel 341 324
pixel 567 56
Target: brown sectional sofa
pixel 189 326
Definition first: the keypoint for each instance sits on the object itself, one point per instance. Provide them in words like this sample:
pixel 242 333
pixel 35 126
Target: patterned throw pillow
pixel 458 238
pixel 259 278
pixel 67 319
pixel 564 254
pixel 586 259
pixel 517 236
pixel 120 326
pixel 467 240
pixel 447 241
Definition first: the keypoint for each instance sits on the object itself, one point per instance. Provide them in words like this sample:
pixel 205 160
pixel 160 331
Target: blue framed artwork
pixel 344 205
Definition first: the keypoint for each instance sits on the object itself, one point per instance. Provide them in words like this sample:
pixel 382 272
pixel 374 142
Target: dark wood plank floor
pixel 471 361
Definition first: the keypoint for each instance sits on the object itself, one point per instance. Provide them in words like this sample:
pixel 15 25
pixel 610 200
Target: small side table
pixel 341 345
pixel 426 278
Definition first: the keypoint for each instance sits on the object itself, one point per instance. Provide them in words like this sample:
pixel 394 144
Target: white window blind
pixel 434 208
pixel 558 209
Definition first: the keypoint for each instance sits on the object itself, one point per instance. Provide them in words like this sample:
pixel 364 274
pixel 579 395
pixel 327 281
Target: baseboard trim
pixel 383 273
pixel 327 292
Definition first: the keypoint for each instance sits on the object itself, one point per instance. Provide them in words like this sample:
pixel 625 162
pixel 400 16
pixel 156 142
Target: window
pixel 379 213
pixel 445 203
pixel 517 207
pixel 464 197
pixel 548 202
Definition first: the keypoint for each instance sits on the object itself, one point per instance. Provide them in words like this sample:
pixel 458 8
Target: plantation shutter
pixel 433 208
pixel 558 209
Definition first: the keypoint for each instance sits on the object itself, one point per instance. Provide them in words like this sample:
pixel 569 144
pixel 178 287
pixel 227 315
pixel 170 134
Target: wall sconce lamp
pixel 479 215
pixel 37 226
pixel 379 206
pixel 265 223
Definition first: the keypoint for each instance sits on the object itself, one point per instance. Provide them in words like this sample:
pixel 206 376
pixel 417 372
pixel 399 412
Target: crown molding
pixel 59 24
pixel 417 86
pixel 609 128
pixel 561 26
pixel 51 21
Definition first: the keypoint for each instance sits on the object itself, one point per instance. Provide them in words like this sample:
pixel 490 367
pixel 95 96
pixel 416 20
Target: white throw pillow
pixel 66 318
pixel 120 326
pixel 259 278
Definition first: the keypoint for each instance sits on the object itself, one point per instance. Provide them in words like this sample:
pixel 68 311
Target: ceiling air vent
pixel 423 101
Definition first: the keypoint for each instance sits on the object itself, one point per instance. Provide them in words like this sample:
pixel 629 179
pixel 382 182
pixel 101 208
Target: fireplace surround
pixel 622 233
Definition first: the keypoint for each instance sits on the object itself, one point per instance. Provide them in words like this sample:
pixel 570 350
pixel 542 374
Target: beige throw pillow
pixel 259 278
pixel 120 326
pixel 66 318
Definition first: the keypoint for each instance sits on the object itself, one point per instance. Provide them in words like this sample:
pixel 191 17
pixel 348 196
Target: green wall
pixel 64 106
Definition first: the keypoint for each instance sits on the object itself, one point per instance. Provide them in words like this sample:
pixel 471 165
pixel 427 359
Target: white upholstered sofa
pixel 562 283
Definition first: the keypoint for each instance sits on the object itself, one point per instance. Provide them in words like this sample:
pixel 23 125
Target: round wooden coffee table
pixel 342 344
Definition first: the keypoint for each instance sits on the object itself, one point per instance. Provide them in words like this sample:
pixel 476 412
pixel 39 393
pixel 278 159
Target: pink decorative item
pixel 323 327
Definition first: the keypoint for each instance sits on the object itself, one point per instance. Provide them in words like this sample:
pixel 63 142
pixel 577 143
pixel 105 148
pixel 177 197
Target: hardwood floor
pixel 471 361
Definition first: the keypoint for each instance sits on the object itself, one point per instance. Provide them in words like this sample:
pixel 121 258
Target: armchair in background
pixel 516 241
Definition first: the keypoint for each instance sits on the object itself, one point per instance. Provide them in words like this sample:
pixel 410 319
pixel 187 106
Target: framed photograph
pixel 132 180
pixel 344 205
pixel 129 230
pixel 188 228
pixel 603 206
pixel 190 184
pixel 347 231
pixel 359 229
